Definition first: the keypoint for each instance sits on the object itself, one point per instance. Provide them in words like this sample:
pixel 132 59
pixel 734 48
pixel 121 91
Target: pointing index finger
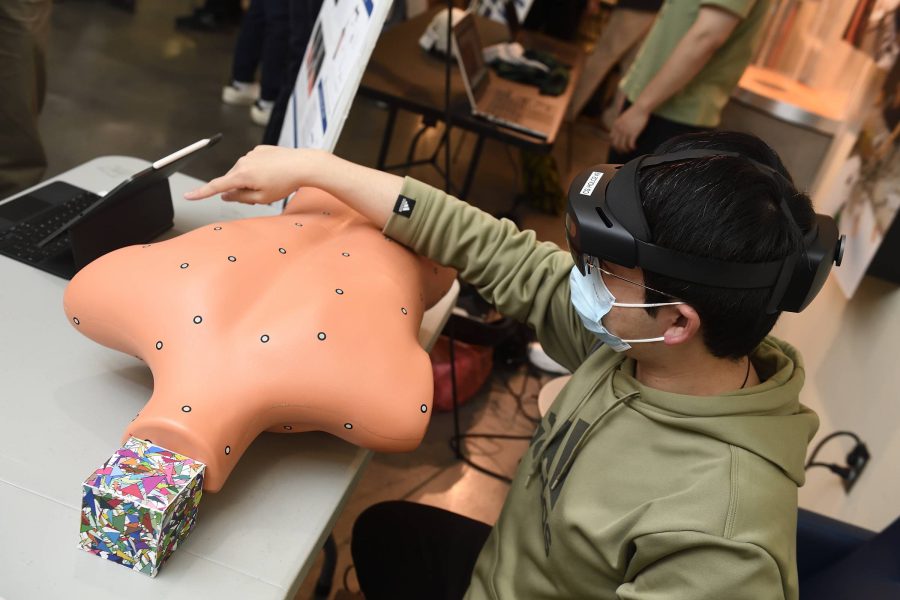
pixel 215 186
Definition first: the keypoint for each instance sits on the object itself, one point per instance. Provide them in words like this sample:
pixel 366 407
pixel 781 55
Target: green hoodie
pixel 626 491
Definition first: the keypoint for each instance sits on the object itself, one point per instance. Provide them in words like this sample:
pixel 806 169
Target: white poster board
pixel 865 198
pixel 339 48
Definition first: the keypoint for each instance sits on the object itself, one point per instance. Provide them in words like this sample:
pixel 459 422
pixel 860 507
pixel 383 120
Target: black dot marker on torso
pixel 348 426
pixel 184 265
pixel 227 449
pixel 159 345
pixel 423 408
pixel 186 408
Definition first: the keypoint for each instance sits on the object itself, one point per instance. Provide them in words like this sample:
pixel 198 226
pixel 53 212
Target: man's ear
pixel 683 324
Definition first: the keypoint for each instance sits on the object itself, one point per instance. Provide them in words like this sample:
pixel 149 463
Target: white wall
pixel 852 354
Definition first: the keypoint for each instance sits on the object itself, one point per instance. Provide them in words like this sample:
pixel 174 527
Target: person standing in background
pixel 262 43
pixel 303 15
pixel 213 16
pixel 24 29
pixel 685 72
pixel 556 18
pixel 619 43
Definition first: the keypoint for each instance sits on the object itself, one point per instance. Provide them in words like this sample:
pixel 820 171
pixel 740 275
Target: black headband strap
pixel 707 271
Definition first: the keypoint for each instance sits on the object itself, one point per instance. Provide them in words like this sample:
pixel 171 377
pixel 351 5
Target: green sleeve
pixel 525 279
pixel 688 565
pixel 740 8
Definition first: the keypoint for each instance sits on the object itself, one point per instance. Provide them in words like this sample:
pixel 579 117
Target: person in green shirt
pixel 685 71
pixel 629 23
pixel 668 466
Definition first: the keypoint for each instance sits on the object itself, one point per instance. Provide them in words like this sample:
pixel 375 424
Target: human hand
pixel 263 175
pixel 628 127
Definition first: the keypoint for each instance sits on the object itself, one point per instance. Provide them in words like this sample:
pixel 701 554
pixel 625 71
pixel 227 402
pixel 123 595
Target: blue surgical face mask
pixel 593 300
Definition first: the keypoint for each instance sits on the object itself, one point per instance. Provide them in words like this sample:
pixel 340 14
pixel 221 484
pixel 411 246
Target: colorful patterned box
pixel 140 504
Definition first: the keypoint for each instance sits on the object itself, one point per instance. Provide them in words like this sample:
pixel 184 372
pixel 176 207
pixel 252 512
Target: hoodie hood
pixel 767 419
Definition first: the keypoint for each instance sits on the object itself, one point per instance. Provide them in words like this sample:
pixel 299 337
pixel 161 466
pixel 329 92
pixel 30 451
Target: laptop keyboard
pixel 21 240
pixel 505 104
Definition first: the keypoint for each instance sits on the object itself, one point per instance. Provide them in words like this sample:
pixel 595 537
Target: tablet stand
pixel 135 219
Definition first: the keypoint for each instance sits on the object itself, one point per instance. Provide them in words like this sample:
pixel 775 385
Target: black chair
pixel 839 561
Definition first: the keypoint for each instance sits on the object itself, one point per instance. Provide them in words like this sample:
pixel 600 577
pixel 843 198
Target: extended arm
pixel 525 279
pixel 269 173
pixel 711 29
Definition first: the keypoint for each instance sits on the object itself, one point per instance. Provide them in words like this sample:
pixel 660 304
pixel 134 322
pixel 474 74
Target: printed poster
pixel 339 48
pixel 493 9
pixel 866 197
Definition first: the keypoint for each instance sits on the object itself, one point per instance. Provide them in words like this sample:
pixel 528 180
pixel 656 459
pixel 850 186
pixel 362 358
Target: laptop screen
pixel 471 60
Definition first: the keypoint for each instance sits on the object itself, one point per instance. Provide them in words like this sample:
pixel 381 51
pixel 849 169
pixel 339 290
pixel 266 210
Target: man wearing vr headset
pixel 668 467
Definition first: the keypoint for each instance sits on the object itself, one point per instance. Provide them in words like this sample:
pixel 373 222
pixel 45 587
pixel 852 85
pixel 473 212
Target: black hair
pixel 725 208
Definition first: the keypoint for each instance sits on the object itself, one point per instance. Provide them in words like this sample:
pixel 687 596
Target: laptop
pixel 496 99
pixel 60 228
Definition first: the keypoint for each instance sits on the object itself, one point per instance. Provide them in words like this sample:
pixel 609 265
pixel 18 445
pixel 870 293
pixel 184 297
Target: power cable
pixel 857 459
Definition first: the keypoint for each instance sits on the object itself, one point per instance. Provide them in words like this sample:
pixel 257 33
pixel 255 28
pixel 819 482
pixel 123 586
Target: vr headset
pixel 605 219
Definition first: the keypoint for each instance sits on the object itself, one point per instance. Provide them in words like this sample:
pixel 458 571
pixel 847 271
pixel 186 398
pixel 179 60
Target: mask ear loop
pixel 645 340
pixel 645 305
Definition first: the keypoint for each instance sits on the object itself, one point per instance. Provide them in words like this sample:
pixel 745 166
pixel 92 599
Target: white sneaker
pixel 244 94
pixel 260 112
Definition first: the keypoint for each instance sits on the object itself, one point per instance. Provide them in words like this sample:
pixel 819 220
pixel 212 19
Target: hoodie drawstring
pixel 542 447
pixel 563 469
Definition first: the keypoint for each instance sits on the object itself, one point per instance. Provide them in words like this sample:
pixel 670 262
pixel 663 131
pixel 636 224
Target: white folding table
pixel 64 403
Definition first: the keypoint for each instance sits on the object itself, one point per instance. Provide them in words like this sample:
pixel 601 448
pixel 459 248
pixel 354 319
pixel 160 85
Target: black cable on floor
pixel 349 568
pixel 520 396
pixel 457 449
pixel 456 442
pixel 812 457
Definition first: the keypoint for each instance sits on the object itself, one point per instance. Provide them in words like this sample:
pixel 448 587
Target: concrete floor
pixel 129 83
